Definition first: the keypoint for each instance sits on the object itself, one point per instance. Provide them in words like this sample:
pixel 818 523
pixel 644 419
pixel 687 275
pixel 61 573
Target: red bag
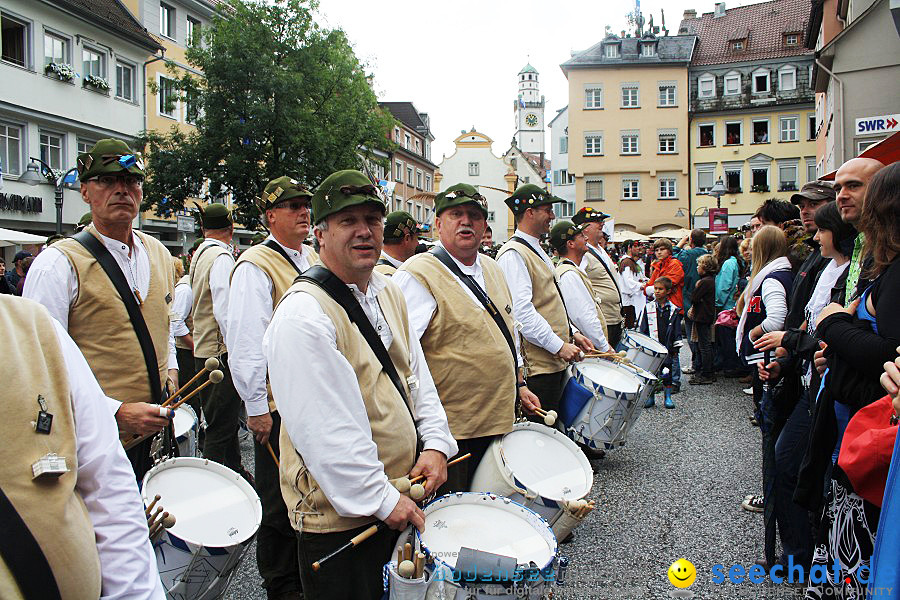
pixel 867 447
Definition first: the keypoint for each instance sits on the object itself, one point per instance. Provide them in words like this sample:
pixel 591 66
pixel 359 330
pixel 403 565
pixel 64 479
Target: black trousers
pixel 276 542
pixel 614 334
pixel 222 410
pixel 705 345
pixel 186 370
pixel 353 575
pixel 548 388
pixel 630 317
pixel 459 476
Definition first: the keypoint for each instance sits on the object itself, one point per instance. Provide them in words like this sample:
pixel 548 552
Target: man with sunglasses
pixel 70 282
pixel 260 277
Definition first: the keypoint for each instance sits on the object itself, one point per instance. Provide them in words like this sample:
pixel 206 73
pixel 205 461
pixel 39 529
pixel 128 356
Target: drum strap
pixel 608 272
pixel 555 282
pixel 385 262
pixel 273 245
pixel 23 555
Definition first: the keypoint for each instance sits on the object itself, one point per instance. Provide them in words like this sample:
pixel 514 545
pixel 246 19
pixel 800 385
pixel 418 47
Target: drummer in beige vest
pixel 475 371
pixel 81 516
pixel 70 283
pixel 550 342
pixel 602 271
pixel 583 306
pixel 401 237
pixel 261 276
pixel 347 431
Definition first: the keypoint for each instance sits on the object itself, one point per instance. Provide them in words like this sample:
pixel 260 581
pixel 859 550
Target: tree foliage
pixel 279 95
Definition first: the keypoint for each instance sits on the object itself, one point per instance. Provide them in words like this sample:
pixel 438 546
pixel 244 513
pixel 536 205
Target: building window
pixel 56 48
pixel 732 83
pixel 738 45
pixel 667 139
pixel 409 175
pixel 84 146
pixel 406 141
pixel 92 62
pixel 811 169
pixel 593 143
pixel 167 97
pixel 733 180
pixel 564 144
pixel 593 97
pixel 630 142
pixel 396 135
pixel 611 50
pixel 193 31
pixel 705 176
pixel 14 36
pixel 707 135
pixel 787 79
pixel 564 210
pixel 648 49
pixel 398 171
pixel 418 147
pixel 761 82
pixel 667 93
pixel 791 39
pixel 811 126
pixel 419 179
pixel 491 216
pixel 52 149
pixel 760 179
pixel 427 183
pixel 631 188
pixel 760 131
pixel 11 149
pixel 167 20
pixel 593 189
pixel 630 95
pixel 733 133
pixel 788 129
pixel 191 107
pixel 787 177
pixel 124 81
pixel 563 177
pixel 706 86
pixel 473 169
pixel 667 188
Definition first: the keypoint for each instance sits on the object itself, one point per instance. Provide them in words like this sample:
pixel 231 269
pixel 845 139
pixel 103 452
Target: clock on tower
pixel 531 119
pixel 529 109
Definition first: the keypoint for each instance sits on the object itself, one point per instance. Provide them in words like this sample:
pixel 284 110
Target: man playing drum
pixel 455 297
pixel 347 392
pixel 401 236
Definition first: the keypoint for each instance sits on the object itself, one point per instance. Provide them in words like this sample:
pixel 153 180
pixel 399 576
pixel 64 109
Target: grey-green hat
pixel 341 190
pixel 215 216
pixel 399 224
pixel 109 157
pixel 461 193
pixel 530 196
pixel 562 232
pixel 280 190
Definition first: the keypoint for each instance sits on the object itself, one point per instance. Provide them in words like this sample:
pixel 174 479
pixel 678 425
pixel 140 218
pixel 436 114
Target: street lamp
pixel 717 191
pixel 32 176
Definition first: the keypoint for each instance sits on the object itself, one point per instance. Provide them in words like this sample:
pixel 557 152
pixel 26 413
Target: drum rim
pixel 629 333
pixel 554 548
pixel 579 377
pixel 639 371
pixel 196 423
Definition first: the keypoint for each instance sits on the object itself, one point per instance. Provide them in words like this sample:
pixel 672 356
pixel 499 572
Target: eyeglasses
pixel 132 181
pixel 293 205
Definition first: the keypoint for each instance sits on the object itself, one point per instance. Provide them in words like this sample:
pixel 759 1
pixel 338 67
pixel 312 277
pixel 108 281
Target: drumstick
pixel 214 378
pixel 159 522
pixel 420 565
pixel 150 519
pixel 354 541
pixel 272 452
pixel 456 460
pixel 209 365
pixel 407 551
pixel 152 504
pixel 399 556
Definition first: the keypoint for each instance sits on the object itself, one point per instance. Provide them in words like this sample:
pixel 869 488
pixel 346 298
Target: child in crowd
pixel 662 322
pixel 703 314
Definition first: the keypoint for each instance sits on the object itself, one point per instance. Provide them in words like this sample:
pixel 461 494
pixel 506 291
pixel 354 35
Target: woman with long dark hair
pixel 728 257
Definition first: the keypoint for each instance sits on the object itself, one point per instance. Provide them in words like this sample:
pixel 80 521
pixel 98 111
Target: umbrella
pixel 672 234
pixel 623 235
pixel 11 237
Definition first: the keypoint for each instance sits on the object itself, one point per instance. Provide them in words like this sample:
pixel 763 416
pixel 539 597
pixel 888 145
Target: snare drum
pixel 536 466
pixel 186 426
pixel 488 523
pixel 644 351
pixel 597 401
pixel 217 515
pixel 648 382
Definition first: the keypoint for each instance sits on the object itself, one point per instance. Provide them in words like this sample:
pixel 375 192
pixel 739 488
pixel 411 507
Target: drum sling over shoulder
pixel 23 556
pixel 273 245
pixel 608 272
pixel 556 283
pixel 340 293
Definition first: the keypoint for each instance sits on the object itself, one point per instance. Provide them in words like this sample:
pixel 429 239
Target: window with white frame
pixel 706 86
pixel 648 49
pixel 732 83
pixel 83 146
pixel 759 178
pixel 667 141
pixel 124 81
pixel 706 134
pixel 611 50
pixel 667 93
pixel 811 126
pixel 398 203
pixel 564 210
pixel 564 144
pixel 427 182
pixel 734 132
pixel 760 131
pixel 811 168
pixel 409 175
pixel 733 178
pixel 396 135
pixel 593 96
pixel 167 20
pixel 668 187
pixel 787 78
pixel 631 187
pixel 791 39
pixel 630 139
pixel 491 216
pixel 16 40
pixel 52 149
pixel 705 176
pixel 761 81
pixel 418 212
pixel 419 179
pixel 193 31
pixel 10 148
pixel 398 171
pixel 593 189
pixel 738 45
pixel 630 95
pixel 56 48
pixel 563 177
pixel 167 97
pixel 418 147
pixel 787 177
pixel 788 129
pixel 92 62
pixel 473 169
pixel 191 107
pixel 406 141
pixel 593 143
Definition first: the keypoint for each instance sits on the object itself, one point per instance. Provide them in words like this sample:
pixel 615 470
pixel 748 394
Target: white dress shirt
pixel 249 312
pixel 394 262
pixel 582 309
pixel 610 265
pixel 181 308
pixel 535 328
pixel 421 304
pixel 322 409
pixel 219 282
pixel 106 484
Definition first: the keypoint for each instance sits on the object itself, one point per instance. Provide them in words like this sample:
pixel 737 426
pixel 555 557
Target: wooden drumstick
pixel 151 505
pixel 399 556
pixel 354 541
pixel 214 378
pixel 407 551
pixel 160 520
pixel 150 520
pixel 272 453
pixel 456 460
pixel 155 531
pixel 420 565
pixel 209 365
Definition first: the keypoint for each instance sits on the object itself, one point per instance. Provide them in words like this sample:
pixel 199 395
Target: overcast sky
pixel 458 60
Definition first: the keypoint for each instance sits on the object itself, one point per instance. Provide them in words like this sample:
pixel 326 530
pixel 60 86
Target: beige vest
pixel 564 267
pixel 464 349
pixel 604 289
pixel 51 508
pixel 208 340
pixel 99 323
pixel 386 269
pixel 393 431
pixel 548 303
pixel 188 320
pixel 280 271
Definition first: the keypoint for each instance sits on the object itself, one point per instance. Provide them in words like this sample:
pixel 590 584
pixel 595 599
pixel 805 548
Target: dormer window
pixel 791 39
pixel 611 50
pixel 738 45
pixel 648 49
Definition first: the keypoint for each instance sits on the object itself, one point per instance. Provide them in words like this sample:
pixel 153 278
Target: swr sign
pixel 883 124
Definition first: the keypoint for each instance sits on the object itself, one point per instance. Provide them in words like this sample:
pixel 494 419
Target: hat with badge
pixel 817 191
pixel 461 193
pixel 399 224
pixel 281 190
pixel 530 196
pixel 562 232
pixel 109 157
pixel 215 216
pixel 197 243
pixel 344 189
pixel 589 215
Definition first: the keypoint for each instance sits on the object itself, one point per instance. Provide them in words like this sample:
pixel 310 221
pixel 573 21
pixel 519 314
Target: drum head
pixel 646 341
pixel 185 420
pixel 488 523
pixel 545 461
pixel 213 506
pixel 609 375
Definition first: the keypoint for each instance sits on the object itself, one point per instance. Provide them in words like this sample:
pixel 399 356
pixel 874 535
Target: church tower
pixel 529 109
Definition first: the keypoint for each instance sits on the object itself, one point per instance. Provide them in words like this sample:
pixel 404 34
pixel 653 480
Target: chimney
pixel 720 10
pixel 690 14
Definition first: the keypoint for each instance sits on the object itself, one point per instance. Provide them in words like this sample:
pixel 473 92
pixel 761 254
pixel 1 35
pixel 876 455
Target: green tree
pixel 279 95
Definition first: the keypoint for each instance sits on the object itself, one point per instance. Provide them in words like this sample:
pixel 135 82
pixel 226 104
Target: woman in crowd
pixel 729 261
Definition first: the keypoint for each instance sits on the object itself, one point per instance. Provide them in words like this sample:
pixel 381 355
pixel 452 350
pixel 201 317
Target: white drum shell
pixel 617 391
pixel 644 351
pixel 186 426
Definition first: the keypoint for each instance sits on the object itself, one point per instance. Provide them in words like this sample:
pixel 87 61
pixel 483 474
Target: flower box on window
pixel 63 71
pixel 789 186
pixel 759 188
pixel 96 82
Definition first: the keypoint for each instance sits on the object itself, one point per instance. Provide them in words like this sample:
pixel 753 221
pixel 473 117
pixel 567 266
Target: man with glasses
pixel 70 282
pixel 260 277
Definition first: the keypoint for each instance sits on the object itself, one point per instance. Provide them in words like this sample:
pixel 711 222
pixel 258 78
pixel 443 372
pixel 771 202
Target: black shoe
pixel 593 453
pixel 734 373
pixel 704 380
pixel 569 538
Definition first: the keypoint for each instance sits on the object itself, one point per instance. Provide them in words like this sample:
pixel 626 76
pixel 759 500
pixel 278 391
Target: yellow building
pixel 628 129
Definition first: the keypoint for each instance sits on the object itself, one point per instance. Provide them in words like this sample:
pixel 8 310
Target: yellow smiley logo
pixel 682 573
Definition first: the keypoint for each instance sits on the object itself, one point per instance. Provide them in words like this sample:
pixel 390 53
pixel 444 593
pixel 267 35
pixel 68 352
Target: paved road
pixel 674 491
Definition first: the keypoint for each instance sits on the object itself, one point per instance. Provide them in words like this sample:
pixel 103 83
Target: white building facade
pixel 562 183
pixel 529 110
